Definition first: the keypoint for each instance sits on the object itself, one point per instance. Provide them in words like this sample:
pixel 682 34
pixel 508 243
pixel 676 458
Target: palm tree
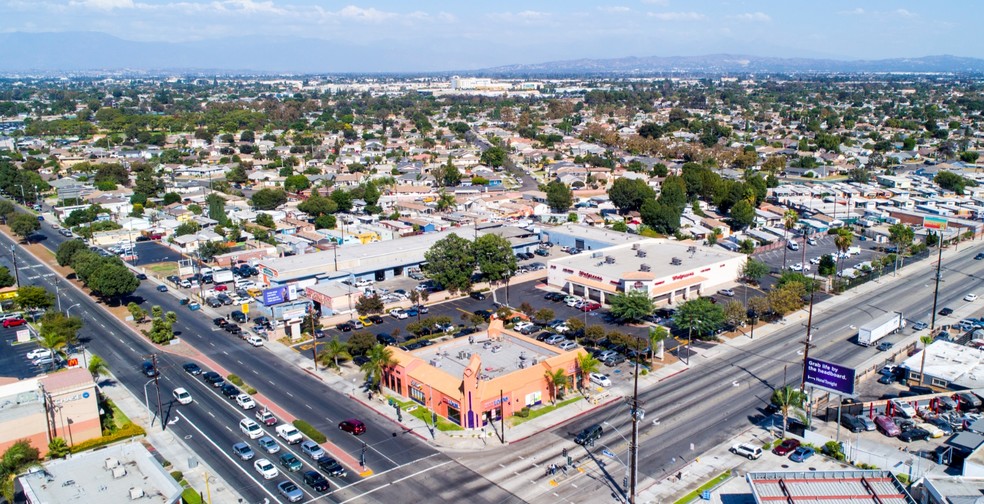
pixel 656 337
pixel 587 364
pixel 58 448
pixel 789 219
pixel 556 380
pixel 98 366
pixel 18 457
pixel 445 201
pixel 53 341
pixel 843 241
pixel 785 398
pixel 925 340
pixel 380 358
pixel 333 351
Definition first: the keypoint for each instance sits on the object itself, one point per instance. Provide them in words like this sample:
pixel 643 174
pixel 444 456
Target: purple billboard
pixel 275 295
pixel 829 376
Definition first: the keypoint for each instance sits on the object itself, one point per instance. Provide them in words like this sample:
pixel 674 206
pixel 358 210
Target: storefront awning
pixel 675 286
pixel 594 284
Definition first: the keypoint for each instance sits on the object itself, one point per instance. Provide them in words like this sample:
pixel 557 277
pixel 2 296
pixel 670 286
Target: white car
pixel 600 379
pixel 727 292
pixel 255 340
pixel 571 300
pixel 39 353
pixel 970 297
pixel 815 260
pixel 245 401
pixel 811 241
pixel 934 431
pixel 266 469
pixel 181 395
pixel 398 313
pixel 797 267
pixel 250 428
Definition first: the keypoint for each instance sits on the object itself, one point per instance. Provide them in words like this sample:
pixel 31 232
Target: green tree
pixel 786 298
pixel 98 366
pixel 494 156
pixel 296 183
pixel 902 236
pixel 754 270
pixel 138 313
pixel 630 194
pixel 237 175
pixel 631 306
pixel 342 199
pixel 33 297
pixel 786 398
pixel 926 341
pixel 333 352
pixel 742 215
pixel 268 199
pixel 24 225
pixel 586 364
pixel 114 281
pixel 6 209
pixel 317 205
pixel 67 250
pixel 843 241
pixel 495 258
pixel 58 448
pixel 369 304
pixel 266 220
pixel 380 360
pixel 559 196
pixel 827 266
pixel 789 219
pixel 162 325
pixel 6 279
pixel 557 382
pixel 66 328
pixel 18 457
pixel 171 198
pixel 699 317
pixel 360 342
pixel 451 261
pixel 543 316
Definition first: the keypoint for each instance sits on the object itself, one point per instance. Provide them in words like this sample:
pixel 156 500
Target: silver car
pixel 268 444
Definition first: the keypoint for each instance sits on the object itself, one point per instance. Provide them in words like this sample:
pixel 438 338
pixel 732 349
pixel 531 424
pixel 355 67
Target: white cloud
pixel 614 9
pixel 103 4
pixel 661 3
pixel 677 16
pixel 853 12
pixel 904 13
pixel 371 14
pixel 753 17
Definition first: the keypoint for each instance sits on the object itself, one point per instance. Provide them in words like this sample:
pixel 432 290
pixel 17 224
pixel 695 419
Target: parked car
pixel 600 379
pixel 852 423
pixel 801 454
pixel 914 434
pixel 787 446
pixel 614 360
pixel 887 426
pixel 727 292
pixel 746 450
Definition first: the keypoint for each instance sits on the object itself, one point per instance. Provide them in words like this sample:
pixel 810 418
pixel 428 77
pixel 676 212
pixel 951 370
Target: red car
pixel 14 322
pixel 786 447
pixel 592 306
pixel 221 288
pixel 353 426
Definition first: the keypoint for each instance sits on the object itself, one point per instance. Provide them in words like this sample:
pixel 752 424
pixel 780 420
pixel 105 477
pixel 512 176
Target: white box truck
pixel 221 276
pixel 882 326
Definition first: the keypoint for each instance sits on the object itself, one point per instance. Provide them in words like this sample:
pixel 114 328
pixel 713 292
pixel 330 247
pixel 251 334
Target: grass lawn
pixel 191 496
pixel 163 269
pixel 543 410
pixel 424 414
pixel 119 418
pixel 706 486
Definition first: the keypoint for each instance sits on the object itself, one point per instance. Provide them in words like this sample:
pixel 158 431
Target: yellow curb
pixel 553 483
pixel 366 473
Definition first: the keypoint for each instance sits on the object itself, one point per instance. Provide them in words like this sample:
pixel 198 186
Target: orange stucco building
pixel 482 377
pixel 61 404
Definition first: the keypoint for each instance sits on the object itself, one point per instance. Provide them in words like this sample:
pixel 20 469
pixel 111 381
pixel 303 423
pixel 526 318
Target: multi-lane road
pixel 403 464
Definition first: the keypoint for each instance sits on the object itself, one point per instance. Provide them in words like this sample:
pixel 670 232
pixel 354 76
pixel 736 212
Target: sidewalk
pixel 170 447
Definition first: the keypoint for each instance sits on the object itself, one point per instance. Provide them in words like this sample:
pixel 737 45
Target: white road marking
pixel 308 406
pixel 288 393
pixel 422 471
pixel 210 414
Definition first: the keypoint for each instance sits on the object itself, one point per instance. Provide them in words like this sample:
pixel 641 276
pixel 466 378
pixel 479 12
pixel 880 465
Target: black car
pixel 331 467
pixel 979 256
pixel 385 339
pixel 853 423
pixel 229 390
pixel 942 424
pixel 141 276
pixel 233 329
pixel 213 302
pixel 316 481
pixel 376 319
pixel 946 311
pixel 886 379
pixel 239 316
pixel 192 368
pixel 318 333
pixel 344 326
pixel 544 335
pixel 148 369
pixel 359 360
pixel 884 345
pixel 219 321
pixel 477 296
pixel 914 434
pixel 211 378
pixel 485 314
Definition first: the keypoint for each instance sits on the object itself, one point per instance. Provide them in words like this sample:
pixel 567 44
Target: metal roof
pixel 845 487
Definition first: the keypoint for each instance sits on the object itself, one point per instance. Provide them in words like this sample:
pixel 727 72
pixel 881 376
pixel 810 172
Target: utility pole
pixel 157 385
pixel 314 338
pixel 634 445
pixel 936 292
pixel 807 343
pixel 502 417
pixel 16 271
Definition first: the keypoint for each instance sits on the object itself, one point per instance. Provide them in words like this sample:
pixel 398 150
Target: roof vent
pixel 676 261
pixel 136 493
pixel 640 253
pixel 609 260
pixel 644 267
pixel 111 462
pixel 595 255
pixel 119 472
pixel 635 246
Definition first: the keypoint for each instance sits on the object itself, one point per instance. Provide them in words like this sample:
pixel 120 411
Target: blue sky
pixel 468 34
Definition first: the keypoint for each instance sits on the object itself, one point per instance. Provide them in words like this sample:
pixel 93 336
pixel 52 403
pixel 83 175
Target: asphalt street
pixel 403 464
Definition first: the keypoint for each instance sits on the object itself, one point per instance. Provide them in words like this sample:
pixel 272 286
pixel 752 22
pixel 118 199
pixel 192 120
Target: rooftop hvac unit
pixel 644 267
pixel 136 493
pixel 635 246
pixel 111 462
pixel 609 260
pixel 119 472
pixel 676 261
pixel 595 255
pixel 640 253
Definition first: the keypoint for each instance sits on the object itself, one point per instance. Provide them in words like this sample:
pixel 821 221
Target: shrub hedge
pixel 310 431
pixel 127 431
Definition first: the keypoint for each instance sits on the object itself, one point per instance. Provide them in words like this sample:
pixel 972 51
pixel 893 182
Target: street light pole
pixel 16 271
pixel 936 292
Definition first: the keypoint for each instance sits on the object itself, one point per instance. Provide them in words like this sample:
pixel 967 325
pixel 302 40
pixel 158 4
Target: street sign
pixel 608 453
pixel 245 309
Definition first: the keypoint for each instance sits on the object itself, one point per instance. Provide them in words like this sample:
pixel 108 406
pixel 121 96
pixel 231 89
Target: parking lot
pixel 14 360
pixel 824 245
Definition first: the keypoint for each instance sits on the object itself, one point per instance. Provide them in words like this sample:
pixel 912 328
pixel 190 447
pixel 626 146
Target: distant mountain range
pixel 732 63
pixel 67 52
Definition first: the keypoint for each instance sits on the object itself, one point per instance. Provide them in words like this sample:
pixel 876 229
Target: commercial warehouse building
pixel 669 271
pixel 484 377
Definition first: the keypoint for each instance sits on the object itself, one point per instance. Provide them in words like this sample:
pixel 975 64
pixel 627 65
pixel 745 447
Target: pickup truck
pixel 266 418
pixel 289 433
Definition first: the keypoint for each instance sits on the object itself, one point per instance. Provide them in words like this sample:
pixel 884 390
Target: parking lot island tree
pixel 631 306
pixel 699 317
pixel 496 260
pixel 450 263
